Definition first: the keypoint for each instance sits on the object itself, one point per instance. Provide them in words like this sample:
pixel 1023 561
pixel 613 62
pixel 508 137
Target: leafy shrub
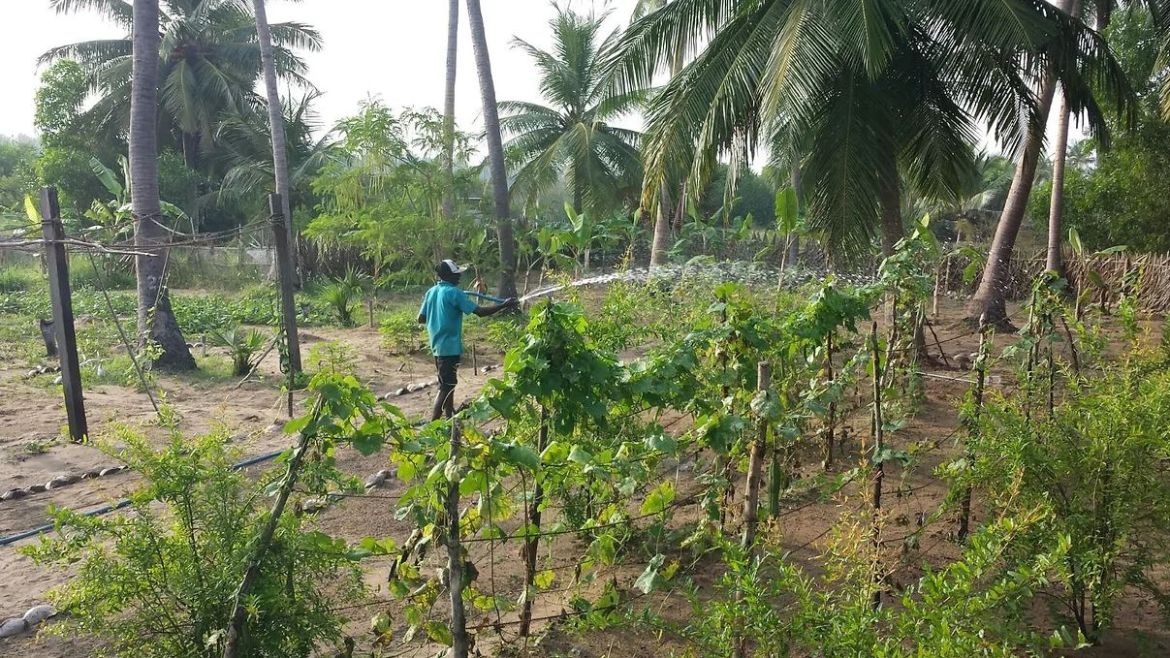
pixel 19 279
pixel 401 333
pixel 1100 463
pixel 973 607
pixel 159 582
pixel 111 274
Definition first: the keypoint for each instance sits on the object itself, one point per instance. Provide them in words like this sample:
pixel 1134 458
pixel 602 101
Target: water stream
pixel 708 272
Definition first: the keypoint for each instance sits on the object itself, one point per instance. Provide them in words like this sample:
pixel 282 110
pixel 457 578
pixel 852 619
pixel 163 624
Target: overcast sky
pixel 395 49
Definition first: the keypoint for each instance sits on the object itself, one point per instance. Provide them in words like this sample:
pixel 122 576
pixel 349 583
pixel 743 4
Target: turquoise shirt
pixel 443 307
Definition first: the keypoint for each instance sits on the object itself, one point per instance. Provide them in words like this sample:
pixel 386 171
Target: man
pixel 442 311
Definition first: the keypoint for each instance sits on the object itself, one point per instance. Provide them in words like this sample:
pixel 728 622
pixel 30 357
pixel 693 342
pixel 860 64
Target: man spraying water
pixel 442 311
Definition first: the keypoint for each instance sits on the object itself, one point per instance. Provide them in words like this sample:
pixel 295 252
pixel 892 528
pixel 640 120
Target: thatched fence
pixel 1153 286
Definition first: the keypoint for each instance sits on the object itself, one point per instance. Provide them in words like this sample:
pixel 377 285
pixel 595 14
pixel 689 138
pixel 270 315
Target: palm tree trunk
pixel 1056 210
pixel 276 125
pixel 156 321
pixel 990 300
pixel 793 239
pixel 890 201
pixel 662 221
pixel 449 111
pixel 495 144
pixel 661 244
pixel 1059 163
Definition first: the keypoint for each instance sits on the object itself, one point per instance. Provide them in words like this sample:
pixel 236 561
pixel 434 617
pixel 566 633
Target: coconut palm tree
pixel 571 139
pixel 661 243
pixel 156 321
pixel 276 126
pixel 495 145
pixel 990 301
pixel 894 90
pixel 449 108
pixel 1103 11
pixel 210 62
pixel 246 152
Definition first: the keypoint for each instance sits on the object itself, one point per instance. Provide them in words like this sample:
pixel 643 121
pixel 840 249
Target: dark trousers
pixel 448 367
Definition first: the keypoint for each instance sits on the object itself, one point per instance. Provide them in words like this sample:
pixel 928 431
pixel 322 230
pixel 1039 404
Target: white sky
pixel 395 49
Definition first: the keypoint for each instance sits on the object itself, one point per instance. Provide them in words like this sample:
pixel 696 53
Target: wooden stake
pixel 830 429
pixel 57 264
pixel 455 576
pixel 751 505
pixel 532 545
pixel 877 465
pixel 973 426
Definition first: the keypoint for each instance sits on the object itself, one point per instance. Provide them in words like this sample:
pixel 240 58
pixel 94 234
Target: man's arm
pixel 485 311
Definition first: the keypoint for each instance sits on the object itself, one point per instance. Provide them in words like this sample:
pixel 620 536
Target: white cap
pixel 452 267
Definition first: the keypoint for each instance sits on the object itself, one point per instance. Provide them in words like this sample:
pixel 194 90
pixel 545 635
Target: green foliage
pixel 1098 462
pixel 341 294
pixel 168 570
pixel 401 332
pixel 572 140
pixel 18 279
pixel 1120 200
pixel 975 606
pixel 868 101
pixel 17 175
pixel 383 194
pixel 243 347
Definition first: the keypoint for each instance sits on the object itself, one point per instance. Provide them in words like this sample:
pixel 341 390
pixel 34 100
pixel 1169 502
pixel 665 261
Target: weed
pixel 243 347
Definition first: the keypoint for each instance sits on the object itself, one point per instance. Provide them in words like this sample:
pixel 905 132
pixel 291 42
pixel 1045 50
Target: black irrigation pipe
pixel 125 502
pixel 122 504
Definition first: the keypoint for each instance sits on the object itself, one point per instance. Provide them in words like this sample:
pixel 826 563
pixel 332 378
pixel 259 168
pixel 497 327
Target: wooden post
pixel 973 426
pixel 830 429
pixel 455 577
pixel 287 284
pixel 532 544
pixel 751 505
pixel 60 294
pixel 876 464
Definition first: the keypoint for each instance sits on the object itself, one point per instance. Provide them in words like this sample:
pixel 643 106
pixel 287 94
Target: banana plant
pixel 113 220
pixel 1092 275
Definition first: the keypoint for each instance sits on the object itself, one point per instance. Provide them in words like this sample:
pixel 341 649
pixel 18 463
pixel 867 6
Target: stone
pixel 57 380
pixel 91 474
pixel 13 627
pixel 313 505
pixel 386 473
pixel 110 471
pixel 376 480
pixel 402 391
pixel 57 482
pixel 37 488
pixel 39 613
pixel 13 494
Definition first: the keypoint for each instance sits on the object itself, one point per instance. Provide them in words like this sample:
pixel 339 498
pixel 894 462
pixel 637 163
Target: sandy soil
pixel 30 413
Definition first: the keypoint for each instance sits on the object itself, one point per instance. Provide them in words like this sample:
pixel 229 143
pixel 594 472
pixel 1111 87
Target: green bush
pixel 159 582
pixel 401 333
pixel 109 275
pixel 1099 463
pixel 15 278
pixel 976 606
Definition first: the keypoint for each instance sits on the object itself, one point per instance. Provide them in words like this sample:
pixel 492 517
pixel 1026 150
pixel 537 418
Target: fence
pixel 1153 286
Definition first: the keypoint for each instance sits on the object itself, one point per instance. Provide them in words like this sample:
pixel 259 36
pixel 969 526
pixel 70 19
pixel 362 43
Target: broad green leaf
pixel 660 499
pixel 650 577
pixel 544 579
